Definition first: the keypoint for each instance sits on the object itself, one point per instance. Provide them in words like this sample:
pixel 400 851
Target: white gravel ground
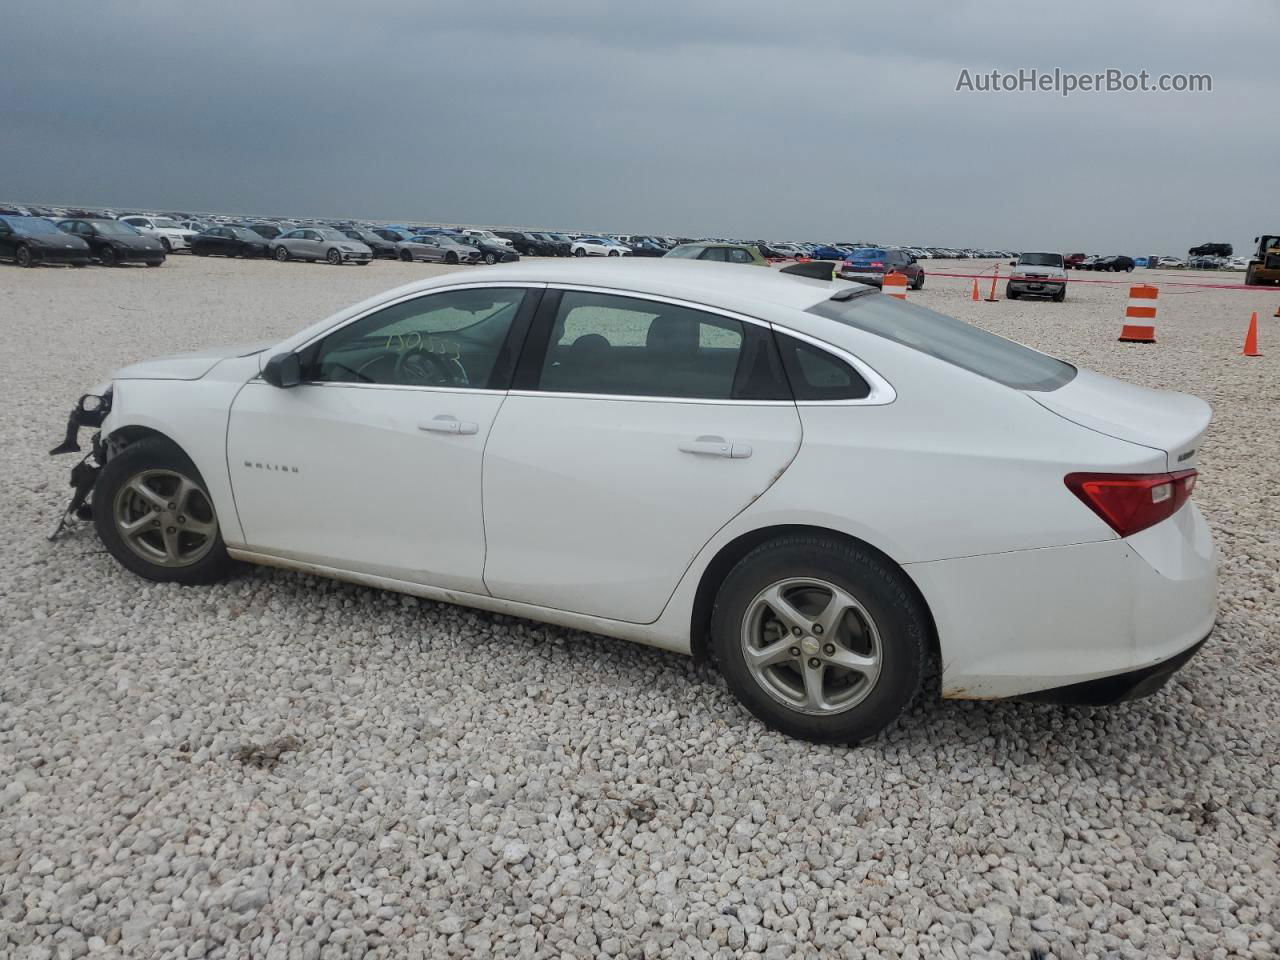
pixel 285 767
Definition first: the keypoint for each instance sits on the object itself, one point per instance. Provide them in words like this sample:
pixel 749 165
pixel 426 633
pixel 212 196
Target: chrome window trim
pixel 882 392
pixel 643 398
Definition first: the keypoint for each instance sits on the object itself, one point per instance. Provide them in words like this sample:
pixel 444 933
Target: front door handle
pixel 712 446
pixel 447 423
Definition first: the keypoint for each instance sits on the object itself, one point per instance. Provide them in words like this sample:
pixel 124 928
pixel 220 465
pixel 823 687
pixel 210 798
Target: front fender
pixel 194 415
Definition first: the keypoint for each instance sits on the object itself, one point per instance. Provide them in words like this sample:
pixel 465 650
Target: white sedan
pixel 171 234
pixel 598 247
pixel 832 493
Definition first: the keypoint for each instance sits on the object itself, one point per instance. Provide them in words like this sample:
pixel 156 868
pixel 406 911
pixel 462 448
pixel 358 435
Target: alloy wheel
pixel 811 646
pixel 165 518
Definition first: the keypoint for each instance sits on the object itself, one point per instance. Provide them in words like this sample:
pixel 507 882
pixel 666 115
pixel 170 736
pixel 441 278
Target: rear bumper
pixel 1132 685
pixel 1127 612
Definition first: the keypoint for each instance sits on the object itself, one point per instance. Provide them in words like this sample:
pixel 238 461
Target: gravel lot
pixel 286 767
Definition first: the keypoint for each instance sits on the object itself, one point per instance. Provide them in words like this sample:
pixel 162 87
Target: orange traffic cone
pixel 1277 313
pixel 975 296
pixel 1251 338
pixel 992 298
pixel 1142 306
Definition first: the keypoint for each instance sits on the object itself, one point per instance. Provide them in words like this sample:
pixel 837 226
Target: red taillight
pixel 877 263
pixel 1129 502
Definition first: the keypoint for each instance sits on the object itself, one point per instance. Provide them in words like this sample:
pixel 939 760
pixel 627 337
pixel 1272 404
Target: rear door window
pixel 610 344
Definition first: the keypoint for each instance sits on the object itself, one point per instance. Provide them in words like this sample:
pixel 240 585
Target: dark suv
pixel 870 264
pixel 1211 250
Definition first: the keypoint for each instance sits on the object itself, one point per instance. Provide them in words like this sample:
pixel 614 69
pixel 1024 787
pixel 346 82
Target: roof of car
pixel 699 281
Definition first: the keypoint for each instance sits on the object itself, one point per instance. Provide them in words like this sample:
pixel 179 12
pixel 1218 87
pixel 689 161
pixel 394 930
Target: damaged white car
pixel 833 494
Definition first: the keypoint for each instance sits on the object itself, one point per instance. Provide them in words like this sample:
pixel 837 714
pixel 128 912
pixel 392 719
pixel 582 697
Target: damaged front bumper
pixel 90 411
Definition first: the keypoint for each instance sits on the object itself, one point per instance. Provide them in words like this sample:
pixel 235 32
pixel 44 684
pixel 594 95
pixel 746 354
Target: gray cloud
pixel 742 118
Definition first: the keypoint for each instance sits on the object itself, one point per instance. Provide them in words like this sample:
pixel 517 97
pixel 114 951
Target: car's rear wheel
pixel 918 283
pixel 406 256
pixel 579 252
pixel 819 638
pixel 155 516
pixel 334 257
pixel 281 254
pixel 168 247
pixel 22 256
pixel 613 253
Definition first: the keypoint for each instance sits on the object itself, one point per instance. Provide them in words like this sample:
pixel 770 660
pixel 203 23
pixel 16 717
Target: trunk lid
pixel 1173 423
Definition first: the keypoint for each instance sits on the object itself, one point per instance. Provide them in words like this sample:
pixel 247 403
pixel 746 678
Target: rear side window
pixel 953 341
pixel 607 344
pixel 818 375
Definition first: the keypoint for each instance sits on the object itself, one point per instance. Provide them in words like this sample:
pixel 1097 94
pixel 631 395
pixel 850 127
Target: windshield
pixel 867 253
pixel 166 223
pixel 115 228
pixel 948 339
pixel 243 234
pixel 331 234
pixel 32 226
pixel 687 251
pixel 1040 260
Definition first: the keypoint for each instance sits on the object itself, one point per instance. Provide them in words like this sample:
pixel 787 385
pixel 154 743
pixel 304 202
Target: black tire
pixel 579 252
pixel 281 254
pixel 22 256
pixel 154 263
pixel 491 258
pixel 108 256
pixel 881 589
pixel 614 253
pixel 451 258
pixel 154 453
pixel 406 256
pixel 334 257
pixel 918 283
pixel 168 247
pixel 1061 295
pixel 1010 295
pixel 200 251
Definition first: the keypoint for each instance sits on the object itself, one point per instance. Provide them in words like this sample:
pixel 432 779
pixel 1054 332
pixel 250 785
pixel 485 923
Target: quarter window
pixel 451 339
pixel 817 375
pixel 606 344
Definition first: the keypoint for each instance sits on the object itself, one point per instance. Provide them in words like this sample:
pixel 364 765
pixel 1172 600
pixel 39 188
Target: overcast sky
pixel 740 118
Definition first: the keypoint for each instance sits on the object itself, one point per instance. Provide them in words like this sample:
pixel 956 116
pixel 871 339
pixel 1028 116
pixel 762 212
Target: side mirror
pixel 284 370
pixel 1013 263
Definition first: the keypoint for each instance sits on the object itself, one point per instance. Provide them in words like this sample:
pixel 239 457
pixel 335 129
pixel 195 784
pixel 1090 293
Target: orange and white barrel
pixel 1140 315
pixel 895 285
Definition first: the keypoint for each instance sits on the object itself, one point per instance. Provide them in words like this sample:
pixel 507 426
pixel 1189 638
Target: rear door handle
pixel 712 446
pixel 447 423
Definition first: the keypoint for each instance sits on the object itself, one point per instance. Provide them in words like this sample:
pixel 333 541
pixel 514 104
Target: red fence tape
pixel 1129 282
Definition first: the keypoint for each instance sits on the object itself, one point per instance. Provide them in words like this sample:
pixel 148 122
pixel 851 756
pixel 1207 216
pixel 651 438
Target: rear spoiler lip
pixel 828 270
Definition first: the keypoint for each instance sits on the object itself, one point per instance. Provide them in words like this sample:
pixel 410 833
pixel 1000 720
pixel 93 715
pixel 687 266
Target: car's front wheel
pixel 168 247
pixel 281 254
pixel 918 283
pixel 406 256
pixel 579 252
pixel 334 257
pixel 22 256
pixel 155 516
pixel 491 258
pixel 819 638
pixel 108 256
